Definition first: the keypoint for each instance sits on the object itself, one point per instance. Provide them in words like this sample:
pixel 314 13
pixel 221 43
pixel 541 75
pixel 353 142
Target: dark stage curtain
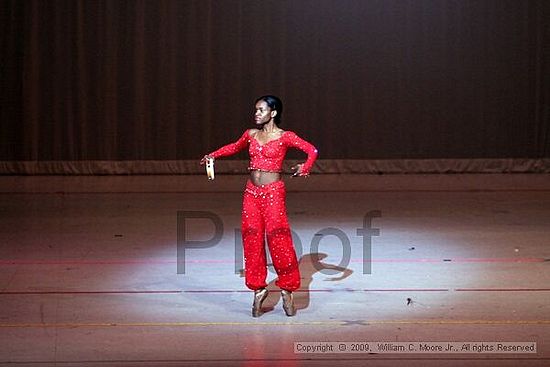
pixel 171 80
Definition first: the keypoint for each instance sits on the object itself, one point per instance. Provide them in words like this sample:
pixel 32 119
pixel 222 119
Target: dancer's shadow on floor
pixel 309 264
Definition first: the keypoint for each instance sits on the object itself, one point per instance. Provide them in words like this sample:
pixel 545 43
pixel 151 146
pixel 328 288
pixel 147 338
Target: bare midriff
pixel 260 177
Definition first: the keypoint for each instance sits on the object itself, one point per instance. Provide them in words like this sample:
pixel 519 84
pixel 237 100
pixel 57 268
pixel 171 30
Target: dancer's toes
pixel 259 297
pixel 288 303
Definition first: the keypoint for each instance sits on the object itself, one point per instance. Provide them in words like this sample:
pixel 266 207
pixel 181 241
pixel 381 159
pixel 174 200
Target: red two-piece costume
pixel 264 210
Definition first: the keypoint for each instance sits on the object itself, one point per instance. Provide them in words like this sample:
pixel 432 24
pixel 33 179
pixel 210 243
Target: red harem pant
pixel 264 215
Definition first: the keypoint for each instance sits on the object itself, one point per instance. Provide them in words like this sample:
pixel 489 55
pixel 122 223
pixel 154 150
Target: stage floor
pixel 89 271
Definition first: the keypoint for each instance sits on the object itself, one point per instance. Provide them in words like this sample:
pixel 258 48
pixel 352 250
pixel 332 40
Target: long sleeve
pixel 232 148
pixel 295 141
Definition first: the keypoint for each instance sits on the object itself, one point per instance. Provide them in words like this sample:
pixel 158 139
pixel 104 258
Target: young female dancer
pixel 264 210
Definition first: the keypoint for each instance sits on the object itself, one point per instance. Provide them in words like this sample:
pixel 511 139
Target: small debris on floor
pixel 409 301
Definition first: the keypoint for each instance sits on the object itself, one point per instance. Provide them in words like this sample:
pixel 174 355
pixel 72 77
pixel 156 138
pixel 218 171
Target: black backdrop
pixel 170 80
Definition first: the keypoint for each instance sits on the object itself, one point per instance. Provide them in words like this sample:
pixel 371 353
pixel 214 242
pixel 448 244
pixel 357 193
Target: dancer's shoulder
pixel 252 132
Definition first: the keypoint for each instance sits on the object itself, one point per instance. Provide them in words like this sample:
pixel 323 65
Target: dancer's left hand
pixel 299 172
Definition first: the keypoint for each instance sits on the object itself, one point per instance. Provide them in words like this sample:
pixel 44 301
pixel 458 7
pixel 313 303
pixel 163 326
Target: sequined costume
pixel 264 210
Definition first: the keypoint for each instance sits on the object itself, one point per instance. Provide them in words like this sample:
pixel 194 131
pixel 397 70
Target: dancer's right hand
pixel 205 158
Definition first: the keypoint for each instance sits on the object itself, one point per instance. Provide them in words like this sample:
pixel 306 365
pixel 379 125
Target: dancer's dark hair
pixel 275 104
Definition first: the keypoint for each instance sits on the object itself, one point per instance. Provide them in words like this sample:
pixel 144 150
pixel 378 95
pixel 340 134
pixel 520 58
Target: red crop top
pixel 269 156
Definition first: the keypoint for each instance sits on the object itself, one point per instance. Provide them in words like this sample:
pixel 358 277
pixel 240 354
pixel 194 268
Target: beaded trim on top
pixel 264 170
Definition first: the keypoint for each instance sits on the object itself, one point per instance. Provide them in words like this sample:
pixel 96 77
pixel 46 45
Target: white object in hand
pixel 210 168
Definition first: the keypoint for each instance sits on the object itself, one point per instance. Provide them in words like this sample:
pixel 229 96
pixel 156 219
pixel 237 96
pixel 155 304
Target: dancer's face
pixel 263 114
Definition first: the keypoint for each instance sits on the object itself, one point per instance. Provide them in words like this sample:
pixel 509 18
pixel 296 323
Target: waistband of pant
pixel 263 189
